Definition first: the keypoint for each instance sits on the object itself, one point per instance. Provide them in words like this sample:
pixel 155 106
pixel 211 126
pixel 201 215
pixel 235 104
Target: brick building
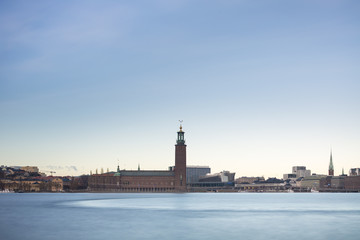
pixel 173 180
pixel 352 183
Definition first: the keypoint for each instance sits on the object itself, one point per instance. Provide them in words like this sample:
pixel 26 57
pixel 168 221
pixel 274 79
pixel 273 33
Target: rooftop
pixel 144 173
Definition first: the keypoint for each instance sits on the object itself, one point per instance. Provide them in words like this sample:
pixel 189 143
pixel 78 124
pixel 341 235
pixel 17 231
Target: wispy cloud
pixel 61 168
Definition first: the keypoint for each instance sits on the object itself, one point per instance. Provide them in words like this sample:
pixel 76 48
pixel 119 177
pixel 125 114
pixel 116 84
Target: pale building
pixel 300 171
pixel 290 176
pixel 311 182
pixel 224 176
pixel 32 169
pixel 56 185
pixel 354 172
pixel 248 180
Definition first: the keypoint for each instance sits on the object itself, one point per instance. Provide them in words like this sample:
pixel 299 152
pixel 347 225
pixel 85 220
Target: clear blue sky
pixel 261 85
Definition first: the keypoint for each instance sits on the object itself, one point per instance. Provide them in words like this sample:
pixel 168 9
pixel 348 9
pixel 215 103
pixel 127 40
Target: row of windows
pixel 135 189
pixel 147 189
pixel 135 183
pixel 147 183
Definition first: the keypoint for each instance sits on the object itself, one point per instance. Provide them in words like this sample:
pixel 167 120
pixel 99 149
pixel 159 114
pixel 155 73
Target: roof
pixel 144 173
pixel 314 177
pixel 195 166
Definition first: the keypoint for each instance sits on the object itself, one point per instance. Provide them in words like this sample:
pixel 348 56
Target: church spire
pixel 331 166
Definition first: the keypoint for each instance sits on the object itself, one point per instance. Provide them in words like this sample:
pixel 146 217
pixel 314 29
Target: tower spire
pixel 331 166
pixel 181 121
pixel 180 139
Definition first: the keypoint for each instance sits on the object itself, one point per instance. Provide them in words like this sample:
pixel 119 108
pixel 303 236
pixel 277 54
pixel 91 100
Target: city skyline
pixel 261 86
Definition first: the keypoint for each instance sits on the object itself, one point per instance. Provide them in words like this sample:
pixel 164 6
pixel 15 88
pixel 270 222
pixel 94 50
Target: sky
pixel 260 85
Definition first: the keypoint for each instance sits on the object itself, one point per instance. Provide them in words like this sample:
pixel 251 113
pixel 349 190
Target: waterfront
pixel 180 216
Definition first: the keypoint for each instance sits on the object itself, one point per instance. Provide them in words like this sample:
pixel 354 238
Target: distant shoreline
pixel 244 192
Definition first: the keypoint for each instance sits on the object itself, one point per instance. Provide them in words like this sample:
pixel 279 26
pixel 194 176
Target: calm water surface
pixel 180 216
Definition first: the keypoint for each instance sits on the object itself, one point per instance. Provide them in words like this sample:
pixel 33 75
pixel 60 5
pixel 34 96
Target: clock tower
pixel 180 162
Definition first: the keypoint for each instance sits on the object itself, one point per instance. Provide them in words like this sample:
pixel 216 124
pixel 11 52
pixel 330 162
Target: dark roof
pixel 146 173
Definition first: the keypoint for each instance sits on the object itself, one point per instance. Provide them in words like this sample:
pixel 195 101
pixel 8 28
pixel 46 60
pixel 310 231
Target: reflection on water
pixel 180 216
pixel 212 203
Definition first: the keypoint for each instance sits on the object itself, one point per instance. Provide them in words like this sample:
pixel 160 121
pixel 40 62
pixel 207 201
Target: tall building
pixel 173 180
pixel 331 166
pixel 180 161
pixel 300 171
pixel 193 173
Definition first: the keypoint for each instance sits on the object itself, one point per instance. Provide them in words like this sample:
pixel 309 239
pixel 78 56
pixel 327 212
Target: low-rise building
pixel 223 181
pixel 31 169
pixel 56 184
pixel 133 181
pixel 270 185
pixel 337 182
pixel 291 176
pixel 352 183
pixel 248 180
pixel 311 182
pixel 224 176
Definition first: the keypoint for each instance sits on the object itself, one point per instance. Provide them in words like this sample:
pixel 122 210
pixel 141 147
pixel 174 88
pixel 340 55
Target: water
pixel 180 216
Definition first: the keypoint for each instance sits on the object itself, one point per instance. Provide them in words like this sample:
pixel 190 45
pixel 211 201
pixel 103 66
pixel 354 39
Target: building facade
pixel 173 180
pixel 193 173
pixel 224 176
pixel 290 176
pixel 301 171
pixel 352 183
pixel 248 180
pixel 313 182
pixel 30 169
pixel 354 172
